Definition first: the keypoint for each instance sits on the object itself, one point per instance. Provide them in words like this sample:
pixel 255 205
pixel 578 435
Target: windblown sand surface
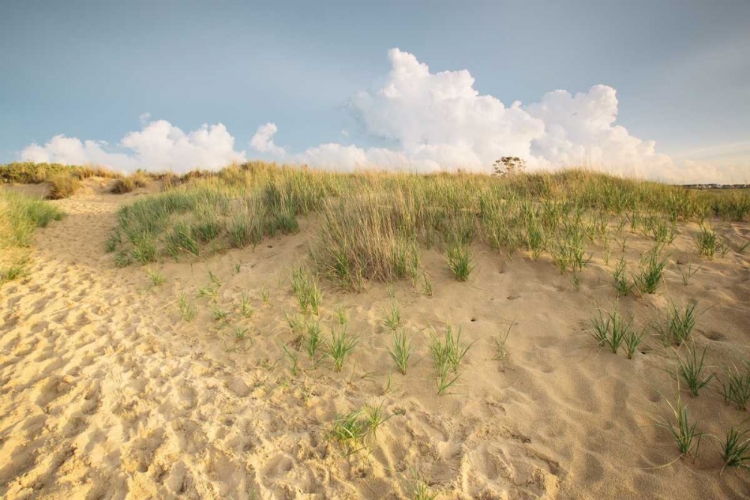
pixel 106 393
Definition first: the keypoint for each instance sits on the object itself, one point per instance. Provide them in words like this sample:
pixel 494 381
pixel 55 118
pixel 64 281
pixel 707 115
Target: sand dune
pixel 106 393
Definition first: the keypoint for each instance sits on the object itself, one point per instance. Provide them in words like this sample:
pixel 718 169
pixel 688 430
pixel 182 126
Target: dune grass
pixel 736 448
pixel 679 324
pixel 685 433
pixel 447 354
pixel 340 347
pixel 371 226
pixel 612 330
pixel 690 369
pixel 735 386
pixel 351 430
pixel 20 216
pixel 401 351
pixel 63 185
pixel 34 173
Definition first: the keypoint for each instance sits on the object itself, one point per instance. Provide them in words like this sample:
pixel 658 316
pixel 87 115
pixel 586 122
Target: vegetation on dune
pixel 19 217
pixel 62 185
pixel 34 173
pixel 373 224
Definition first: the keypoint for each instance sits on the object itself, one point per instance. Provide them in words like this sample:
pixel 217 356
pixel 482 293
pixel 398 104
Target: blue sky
pixel 89 70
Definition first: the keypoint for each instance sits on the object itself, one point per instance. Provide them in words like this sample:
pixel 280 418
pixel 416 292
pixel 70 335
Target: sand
pixel 106 393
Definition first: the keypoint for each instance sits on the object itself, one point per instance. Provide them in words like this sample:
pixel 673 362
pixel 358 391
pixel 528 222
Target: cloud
pixel 428 121
pixel 262 141
pixel 439 121
pixel 158 146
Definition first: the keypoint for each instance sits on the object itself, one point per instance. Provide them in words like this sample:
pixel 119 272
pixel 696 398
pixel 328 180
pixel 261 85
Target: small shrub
pixel 633 339
pixel 600 328
pixel 122 186
pixel 122 259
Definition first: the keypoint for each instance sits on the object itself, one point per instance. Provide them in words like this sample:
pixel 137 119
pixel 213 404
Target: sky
pixel 657 89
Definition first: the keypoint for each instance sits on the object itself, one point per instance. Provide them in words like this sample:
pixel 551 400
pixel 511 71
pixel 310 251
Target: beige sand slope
pixel 106 393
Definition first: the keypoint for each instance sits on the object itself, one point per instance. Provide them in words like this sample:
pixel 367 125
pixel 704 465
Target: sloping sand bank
pixel 107 393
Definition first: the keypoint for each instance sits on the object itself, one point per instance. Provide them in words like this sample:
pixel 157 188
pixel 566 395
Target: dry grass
pixel 63 185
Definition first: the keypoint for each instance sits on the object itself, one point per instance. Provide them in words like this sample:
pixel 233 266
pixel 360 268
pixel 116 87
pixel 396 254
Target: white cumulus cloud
pixel 439 121
pixel 158 146
pixel 262 141
pixel 430 121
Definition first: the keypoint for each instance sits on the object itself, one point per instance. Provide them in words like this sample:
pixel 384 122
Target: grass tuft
pixel 679 324
pixel 447 355
pixel 459 262
pixel 340 347
pixel 690 370
pixel 401 350
pixel 736 449
pixel 187 308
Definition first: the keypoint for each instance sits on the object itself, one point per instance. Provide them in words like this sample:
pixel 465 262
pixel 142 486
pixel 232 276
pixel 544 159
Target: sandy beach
pixel 106 393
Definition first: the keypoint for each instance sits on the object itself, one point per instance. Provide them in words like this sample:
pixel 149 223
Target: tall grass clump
pixel 708 242
pixel 366 239
pixel 223 210
pixel 459 262
pixel 62 185
pixel 20 216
